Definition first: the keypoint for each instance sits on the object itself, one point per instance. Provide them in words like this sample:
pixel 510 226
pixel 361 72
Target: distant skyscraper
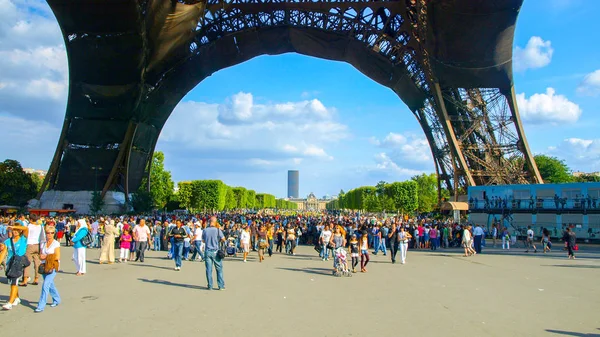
pixel 293 184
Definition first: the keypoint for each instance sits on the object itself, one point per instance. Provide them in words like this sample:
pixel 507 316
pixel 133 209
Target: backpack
pixel 87 239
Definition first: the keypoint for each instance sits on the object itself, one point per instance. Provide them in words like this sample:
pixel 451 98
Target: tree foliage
pixel 16 186
pixel 397 196
pixel 97 202
pixel 427 191
pixel 553 170
pixel 142 202
pixel 161 184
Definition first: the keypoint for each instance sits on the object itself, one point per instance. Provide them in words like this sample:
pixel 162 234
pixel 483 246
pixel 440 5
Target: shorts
pixel 13 281
pixel 421 239
pixel 354 255
pixel 246 247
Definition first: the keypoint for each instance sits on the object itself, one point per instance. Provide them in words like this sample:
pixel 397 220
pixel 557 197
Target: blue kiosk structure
pixel 551 206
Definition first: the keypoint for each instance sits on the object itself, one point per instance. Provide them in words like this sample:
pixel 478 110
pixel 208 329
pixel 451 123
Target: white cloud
pixel 536 54
pixel 33 62
pixel 30 142
pixel 265 135
pixel 409 150
pixel 548 108
pixel 580 154
pixel 591 84
pixel 385 163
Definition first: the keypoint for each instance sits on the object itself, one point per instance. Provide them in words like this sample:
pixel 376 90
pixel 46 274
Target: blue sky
pixel 250 123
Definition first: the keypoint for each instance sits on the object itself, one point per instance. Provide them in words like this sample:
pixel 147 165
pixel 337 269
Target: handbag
pixel 16 264
pixel 220 254
pixel 42 268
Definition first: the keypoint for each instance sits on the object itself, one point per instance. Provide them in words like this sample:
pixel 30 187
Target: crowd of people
pixel 29 243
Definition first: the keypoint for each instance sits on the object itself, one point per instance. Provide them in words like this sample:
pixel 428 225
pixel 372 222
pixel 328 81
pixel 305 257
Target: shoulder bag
pixel 16 264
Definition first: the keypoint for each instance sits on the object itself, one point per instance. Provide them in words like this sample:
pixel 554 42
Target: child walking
pixel 364 252
pixel 354 252
pixel 125 243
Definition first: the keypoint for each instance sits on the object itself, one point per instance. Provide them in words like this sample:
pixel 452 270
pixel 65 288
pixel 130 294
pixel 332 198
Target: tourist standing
pixel 125 244
pixel 478 237
pixel 15 245
pixel 245 241
pixel 571 240
pixel 141 236
pixel 364 251
pixel 178 233
pixel 262 242
pixel 433 236
pixel 212 238
pixel 157 235
pixel 79 249
pixel 197 236
pixel 505 238
pixel 354 252
pixel 50 254
pixel 393 236
pixel 403 239
pixel 107 251
pixel 324 240
pixel 35 239
pixel 494 234
pixel 467 241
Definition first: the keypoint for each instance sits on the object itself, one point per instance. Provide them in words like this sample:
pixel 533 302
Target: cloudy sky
pixel 249 124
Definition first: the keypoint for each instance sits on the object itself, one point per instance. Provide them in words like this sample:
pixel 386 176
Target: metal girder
pixel 118 77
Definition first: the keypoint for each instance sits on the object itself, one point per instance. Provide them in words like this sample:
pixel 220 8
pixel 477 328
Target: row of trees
pixel 420 193
pixel 215 195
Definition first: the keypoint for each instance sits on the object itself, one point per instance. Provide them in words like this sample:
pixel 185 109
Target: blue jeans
pixel 177 252
pixel 381 246
pixel 48 287
pixel 376 241
pixel 172 249
pixel 197 245
pixel 324 252
pixel 95 242
pixel 157 243
pixel 210 259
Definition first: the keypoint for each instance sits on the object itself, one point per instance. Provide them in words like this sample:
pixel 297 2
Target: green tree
pixel 250 199
pixel 161 184
pixel 185 195
pixel 141 201
pixel 427 191
pixel 97 202
pixel 230 201
pixel 587 178
pixel 37 180
pixel 16 186
pixel 553 170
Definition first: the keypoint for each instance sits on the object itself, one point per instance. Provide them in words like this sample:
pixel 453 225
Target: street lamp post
pixel 96 169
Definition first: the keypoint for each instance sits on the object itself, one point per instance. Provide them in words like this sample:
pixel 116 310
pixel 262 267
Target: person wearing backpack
pixel 80 242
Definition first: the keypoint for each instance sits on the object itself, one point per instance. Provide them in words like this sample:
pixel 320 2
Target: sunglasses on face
pixel 49 232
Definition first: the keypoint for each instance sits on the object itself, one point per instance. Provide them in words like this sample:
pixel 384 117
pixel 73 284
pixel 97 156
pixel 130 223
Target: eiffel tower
pixel 132 61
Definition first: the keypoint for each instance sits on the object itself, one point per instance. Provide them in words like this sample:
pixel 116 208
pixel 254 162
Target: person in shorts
pixel 530 240
pixel 17 242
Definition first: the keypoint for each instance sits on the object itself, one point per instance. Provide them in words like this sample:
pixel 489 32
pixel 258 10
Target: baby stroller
pixel 340 263
pixel 231 249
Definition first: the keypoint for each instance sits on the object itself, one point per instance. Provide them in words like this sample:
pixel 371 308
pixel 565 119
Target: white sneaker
pixel 16 302
pixel 7 306
pixel 244 260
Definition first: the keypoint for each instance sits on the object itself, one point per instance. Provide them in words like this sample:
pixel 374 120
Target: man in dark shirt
pixel 178 233
pixel 212 237
pixel 571 239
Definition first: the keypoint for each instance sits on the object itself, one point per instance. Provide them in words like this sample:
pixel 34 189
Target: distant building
pixel 311 203
pixel 293 184
pixel 579 174
pixel 40 173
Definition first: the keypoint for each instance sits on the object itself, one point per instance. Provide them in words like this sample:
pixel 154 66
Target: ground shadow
pixel 150 266
pixel 583 266
pixel 317 271
pixel 172 284
pixel 571 333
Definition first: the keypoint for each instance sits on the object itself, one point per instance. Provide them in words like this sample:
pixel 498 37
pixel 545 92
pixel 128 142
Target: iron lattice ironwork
pixel 131 62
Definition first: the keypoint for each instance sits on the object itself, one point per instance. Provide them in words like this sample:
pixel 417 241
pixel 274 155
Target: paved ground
pixel 434 294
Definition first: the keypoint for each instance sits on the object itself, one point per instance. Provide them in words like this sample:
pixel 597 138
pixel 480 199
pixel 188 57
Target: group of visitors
pixel 30 246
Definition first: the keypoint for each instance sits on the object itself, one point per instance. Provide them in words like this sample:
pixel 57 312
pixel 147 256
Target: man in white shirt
pixel 245 241
pixel 478 238
pixel 530 240
pixel 34 240
pixel 141 236
pixel 197 241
